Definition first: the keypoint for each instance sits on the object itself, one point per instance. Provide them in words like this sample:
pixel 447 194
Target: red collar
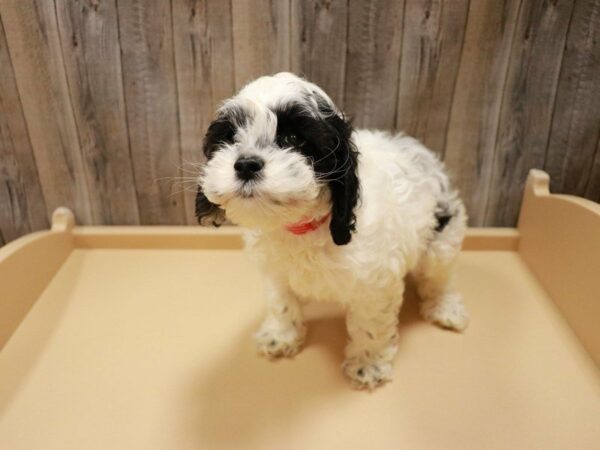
pixel 304 226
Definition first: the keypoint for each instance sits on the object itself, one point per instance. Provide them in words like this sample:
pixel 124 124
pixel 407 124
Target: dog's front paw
pixel 279 342
pixel 449 312
pixel 364 374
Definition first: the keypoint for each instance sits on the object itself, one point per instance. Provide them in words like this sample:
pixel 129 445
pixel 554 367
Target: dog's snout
pixel 248 167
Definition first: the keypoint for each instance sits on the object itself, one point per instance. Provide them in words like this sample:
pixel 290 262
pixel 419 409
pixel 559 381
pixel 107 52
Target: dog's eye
pixel 290 140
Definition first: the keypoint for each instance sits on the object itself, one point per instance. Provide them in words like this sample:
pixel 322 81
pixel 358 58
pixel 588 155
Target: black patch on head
pixel 325 139
pixel 442 221
pixel 443 215
pixel 222 130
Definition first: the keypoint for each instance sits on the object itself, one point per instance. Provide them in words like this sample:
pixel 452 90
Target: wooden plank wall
pixel 103 103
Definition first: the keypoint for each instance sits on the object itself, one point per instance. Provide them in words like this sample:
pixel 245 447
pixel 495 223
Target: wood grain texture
pixel 203 42
pixel 374 42
pixel 151 103
pixel 592 190
pixel 475 111
pixel 89 33
pixel 261 38
pixel 32 35
pixel 528 101
pixel 576 119
pixel 319 36
pixel 431 51
pixel 22 204
pixel 104 103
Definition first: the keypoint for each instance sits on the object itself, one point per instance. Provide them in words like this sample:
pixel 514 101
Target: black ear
pixel 342 175
pixel 207 212
pixel 345 186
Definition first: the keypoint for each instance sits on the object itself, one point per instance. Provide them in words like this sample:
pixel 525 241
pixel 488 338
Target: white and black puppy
pixel 334 214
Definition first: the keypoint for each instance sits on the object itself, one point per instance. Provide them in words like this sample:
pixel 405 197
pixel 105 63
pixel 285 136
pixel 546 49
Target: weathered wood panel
pixel 473 124
pixel 22 204
pixel 113 97
pixel 528 102
pixel 261 38
pixel 576 119
pixel 319 35
pixel 146 38
pixel 592 190
pixel 374 41
pixel 89 33
pixel 203 42
pixel 431 48
pixel 32 36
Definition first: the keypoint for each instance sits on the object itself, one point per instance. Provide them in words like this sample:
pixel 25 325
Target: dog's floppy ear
pixel 220 131
pixel 207 212
pixel 343 179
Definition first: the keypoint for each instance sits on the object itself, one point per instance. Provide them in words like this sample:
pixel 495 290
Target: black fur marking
pixel 325 139
pixel 442 220
pixel 222 130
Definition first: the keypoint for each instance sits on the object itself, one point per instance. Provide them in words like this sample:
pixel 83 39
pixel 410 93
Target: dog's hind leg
pixel 441 303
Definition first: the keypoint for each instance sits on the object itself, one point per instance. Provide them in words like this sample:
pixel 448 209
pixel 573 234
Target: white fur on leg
pixel 367 374
pixel 441 304
pixel 372 325
pixel 282 332
pixel 447 311
pixel 277 338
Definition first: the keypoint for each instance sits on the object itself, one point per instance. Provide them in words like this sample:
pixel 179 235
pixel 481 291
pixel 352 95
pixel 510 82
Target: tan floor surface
pixel 151 349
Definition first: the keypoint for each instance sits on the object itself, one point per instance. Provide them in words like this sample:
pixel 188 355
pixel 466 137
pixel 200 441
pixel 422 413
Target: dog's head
pixel 279 152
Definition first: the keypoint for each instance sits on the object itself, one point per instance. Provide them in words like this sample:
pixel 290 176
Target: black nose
pixel 248 167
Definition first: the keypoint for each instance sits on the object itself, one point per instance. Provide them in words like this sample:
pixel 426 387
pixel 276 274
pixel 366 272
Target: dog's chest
pixel 318 277
pixel 314 273
pixel 322 271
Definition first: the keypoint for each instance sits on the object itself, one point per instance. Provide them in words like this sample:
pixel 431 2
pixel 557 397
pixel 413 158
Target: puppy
pixel 334 214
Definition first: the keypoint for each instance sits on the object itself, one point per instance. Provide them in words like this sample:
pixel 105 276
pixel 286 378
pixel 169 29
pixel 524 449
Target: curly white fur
pixel 402 187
